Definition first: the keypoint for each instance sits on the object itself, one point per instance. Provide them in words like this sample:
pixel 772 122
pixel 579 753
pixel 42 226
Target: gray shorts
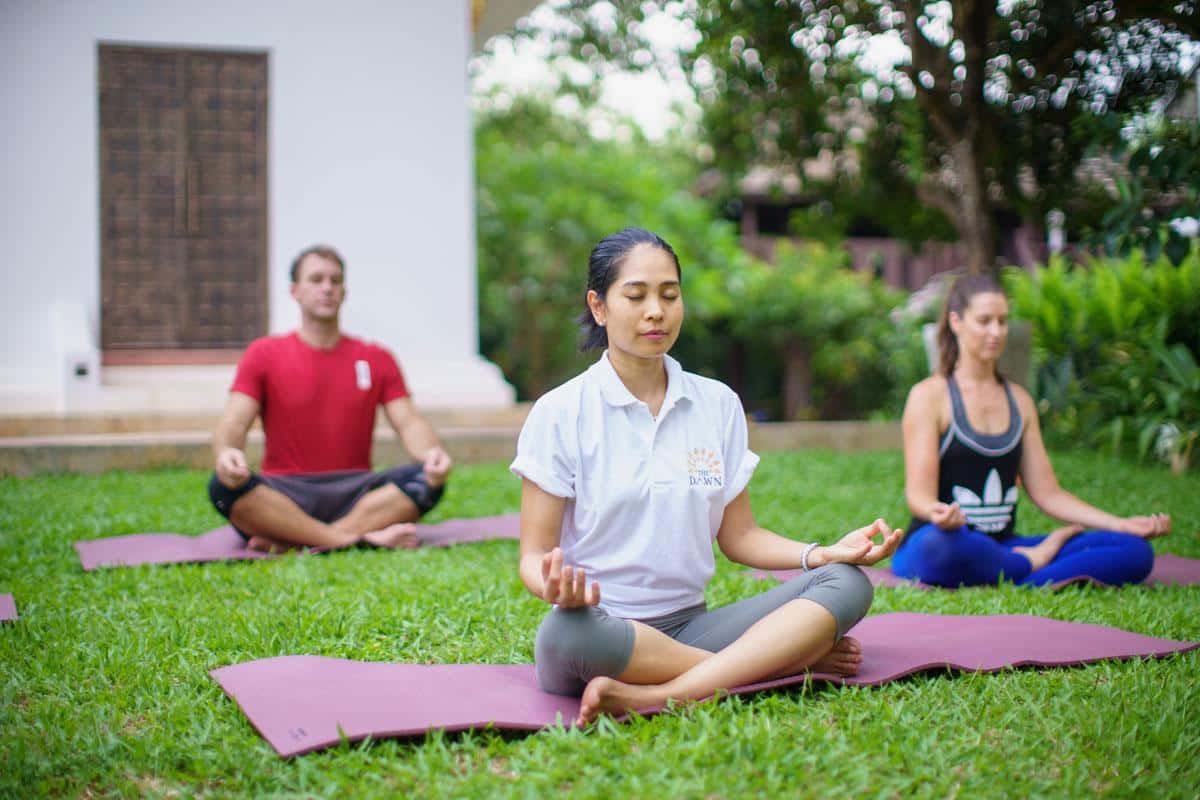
pixel 329 496
pixel 578 644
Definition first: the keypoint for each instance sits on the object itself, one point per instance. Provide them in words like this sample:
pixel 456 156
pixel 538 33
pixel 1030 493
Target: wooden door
pixel 183 203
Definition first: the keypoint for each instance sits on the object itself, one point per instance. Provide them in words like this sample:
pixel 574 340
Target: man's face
pixel 319 287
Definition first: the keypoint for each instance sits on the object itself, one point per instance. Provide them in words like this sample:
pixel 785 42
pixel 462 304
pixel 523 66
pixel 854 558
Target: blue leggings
pixel 969 558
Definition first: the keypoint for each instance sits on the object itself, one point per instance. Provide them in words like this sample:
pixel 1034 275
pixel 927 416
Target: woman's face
pixel 982 328
pixel 642 311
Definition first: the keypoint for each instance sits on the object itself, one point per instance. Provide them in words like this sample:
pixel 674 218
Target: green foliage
pixel 1115 342
pixel 547 192
pixel 1162 190
pixel 105 692
pixel 824 325
pixel 1008 98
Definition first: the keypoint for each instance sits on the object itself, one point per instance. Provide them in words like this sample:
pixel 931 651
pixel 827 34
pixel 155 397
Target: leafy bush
pixel 547 192
pixel 803 337
pixel 824 327
pixel 1115 343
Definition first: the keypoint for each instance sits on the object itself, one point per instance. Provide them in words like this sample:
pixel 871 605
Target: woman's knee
pixel 577 644
pixel 846 592
pixel 1138 555
pixel 939 554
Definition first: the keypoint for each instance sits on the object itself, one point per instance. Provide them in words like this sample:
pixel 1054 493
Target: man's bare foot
pixel 1043 553
pixel 844 659
pixel 402 535
pixel 610 696
pixel 264 545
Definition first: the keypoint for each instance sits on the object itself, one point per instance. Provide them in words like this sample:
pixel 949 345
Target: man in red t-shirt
pixel 317 391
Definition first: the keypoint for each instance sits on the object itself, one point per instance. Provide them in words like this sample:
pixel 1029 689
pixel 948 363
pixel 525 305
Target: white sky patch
pixel 658 105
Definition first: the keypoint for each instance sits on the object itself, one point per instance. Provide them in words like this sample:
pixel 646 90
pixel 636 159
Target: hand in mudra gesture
pixel 859 546
pixel 947 516
pixel 566 586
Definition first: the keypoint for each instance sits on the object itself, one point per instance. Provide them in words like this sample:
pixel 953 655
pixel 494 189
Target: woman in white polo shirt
pixel 630 471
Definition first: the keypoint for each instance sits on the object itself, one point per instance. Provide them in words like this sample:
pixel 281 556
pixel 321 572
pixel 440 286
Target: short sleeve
pixel 391 379
pixel 250 378
pixel 740 460
pixel 546 450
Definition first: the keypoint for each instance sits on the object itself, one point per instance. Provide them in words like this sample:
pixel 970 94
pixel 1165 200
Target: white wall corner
pixel 78 357
pixel 459 383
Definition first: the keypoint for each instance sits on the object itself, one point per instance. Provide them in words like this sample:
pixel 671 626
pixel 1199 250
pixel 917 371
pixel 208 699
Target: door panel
pixel 183 198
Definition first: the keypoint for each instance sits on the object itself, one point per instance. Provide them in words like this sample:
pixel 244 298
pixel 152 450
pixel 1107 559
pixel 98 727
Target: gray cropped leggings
pixel 578 644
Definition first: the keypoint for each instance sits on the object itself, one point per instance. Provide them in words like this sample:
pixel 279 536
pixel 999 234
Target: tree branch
pixel 933 193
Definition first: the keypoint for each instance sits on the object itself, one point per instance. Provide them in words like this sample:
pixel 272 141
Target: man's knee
pixel 224 497
pixel 411 481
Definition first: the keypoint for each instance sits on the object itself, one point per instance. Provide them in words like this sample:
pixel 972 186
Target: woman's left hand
pixel 859 547
pixel 1147 527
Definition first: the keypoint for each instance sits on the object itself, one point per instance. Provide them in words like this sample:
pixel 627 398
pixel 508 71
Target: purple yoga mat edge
pixel 285 750
pixel 225 544
pixel 881 629
pixel 1169 570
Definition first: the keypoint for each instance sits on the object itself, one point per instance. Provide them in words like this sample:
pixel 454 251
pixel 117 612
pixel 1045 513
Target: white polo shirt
pixel 645 497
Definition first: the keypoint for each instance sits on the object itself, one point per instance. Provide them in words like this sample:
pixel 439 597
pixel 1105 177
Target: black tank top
pixel 979 471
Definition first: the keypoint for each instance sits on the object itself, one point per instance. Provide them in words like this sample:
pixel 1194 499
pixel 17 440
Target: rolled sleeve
pixel 544 452
pixel 740 460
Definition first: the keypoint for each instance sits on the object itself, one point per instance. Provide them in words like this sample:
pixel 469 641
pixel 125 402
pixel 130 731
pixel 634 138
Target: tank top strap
pixel 982 443
pixel 958 411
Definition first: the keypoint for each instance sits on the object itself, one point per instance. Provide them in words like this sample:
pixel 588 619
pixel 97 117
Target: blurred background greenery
pixel 816 192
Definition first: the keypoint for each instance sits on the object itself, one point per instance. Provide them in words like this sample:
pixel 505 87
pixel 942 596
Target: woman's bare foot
pixel 844 659
pixel 402 535
pixel 1043 553
pixel 611 696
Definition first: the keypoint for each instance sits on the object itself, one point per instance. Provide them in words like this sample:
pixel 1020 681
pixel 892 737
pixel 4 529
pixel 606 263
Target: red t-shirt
pixel 318 406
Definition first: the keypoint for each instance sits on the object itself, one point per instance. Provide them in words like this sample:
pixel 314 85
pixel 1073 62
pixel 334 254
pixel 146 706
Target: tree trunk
pixel 974 220
pixel 797 380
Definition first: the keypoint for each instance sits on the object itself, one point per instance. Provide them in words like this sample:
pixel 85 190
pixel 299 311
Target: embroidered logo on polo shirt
pixel 704 468
pixel 362 374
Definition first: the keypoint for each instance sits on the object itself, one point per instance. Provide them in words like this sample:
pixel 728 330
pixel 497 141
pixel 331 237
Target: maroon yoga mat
pixel 8 608
pixel 305 703
pixel 1168 570
pixel 224 544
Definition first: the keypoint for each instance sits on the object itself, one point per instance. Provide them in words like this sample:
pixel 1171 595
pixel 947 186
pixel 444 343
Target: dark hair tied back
pixel 604 264
pixel 957 300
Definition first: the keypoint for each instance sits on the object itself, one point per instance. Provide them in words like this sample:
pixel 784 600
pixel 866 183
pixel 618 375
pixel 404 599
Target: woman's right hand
pixel 947 516
pixel 858 546
pixel 1147 527
pixel 566 586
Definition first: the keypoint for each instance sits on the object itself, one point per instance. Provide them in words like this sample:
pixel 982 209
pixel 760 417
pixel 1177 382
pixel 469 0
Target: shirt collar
pixel 615 392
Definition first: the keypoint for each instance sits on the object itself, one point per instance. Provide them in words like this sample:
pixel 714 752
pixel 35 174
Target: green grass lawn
pixel 104 686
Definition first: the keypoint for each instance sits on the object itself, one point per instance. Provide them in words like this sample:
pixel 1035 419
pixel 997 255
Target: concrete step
pixel 93 453
pixel 15 425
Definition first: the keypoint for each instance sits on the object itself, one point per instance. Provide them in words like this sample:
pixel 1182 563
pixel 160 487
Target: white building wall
pixel 370 150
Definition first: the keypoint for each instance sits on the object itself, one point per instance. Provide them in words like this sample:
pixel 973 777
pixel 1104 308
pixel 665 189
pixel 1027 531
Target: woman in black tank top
pixel 969 435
